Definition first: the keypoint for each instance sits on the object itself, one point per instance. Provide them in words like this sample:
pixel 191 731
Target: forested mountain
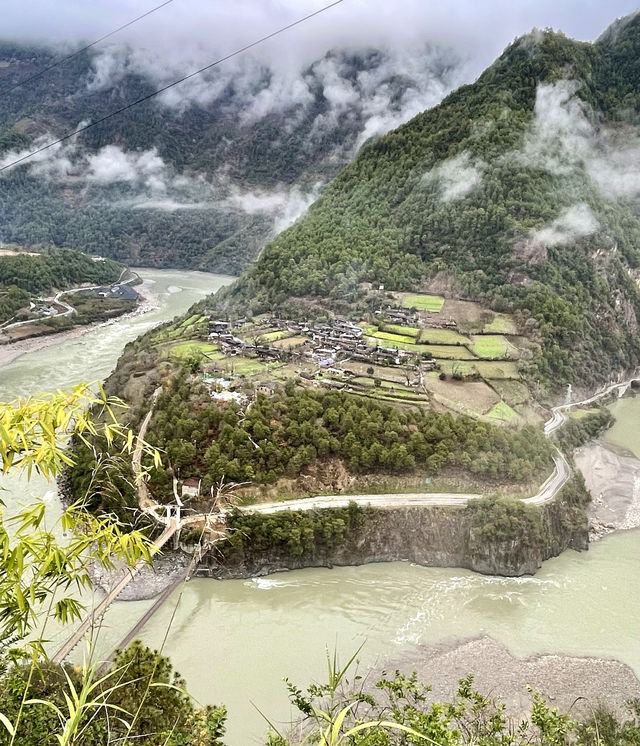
pixel 520 190
pixel 201 177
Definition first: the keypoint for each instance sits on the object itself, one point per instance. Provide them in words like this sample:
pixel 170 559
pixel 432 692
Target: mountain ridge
pixel 514 186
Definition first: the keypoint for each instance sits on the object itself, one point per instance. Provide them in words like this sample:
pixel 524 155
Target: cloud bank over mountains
pixel 438 46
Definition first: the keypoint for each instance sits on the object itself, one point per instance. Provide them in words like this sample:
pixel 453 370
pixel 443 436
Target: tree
pixel 37 573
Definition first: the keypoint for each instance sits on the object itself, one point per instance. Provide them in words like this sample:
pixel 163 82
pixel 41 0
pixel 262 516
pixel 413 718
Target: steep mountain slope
pixel 520 190
pixel 203 176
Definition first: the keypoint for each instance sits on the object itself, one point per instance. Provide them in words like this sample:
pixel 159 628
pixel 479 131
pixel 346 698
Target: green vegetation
pixel 501 324
pixel 189 349
pixel 282 434
pixel 273 336
pixel 493 347
pixel 449 352
pixel 576 432
pixel 24 275
pixel 502 412
pixel 302 533
pixel 141 679
pixel 399 710
pixel 562 298
pixel 196 145
pixel 431 303
pixel 397 339
pixel 408 331
pixel 496 520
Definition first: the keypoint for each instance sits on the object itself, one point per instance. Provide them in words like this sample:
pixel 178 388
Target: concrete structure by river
pixel 235 640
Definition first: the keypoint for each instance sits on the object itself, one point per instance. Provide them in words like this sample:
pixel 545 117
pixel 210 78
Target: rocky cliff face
pixel 434 537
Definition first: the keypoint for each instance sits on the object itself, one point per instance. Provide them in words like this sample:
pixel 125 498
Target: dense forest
pixel 24 275
pixel 200 185
pixel 507 192
pixel 281 435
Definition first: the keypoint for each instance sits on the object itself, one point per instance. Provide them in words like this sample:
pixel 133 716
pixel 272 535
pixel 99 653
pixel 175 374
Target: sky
pixel 186 32
pixel 436 46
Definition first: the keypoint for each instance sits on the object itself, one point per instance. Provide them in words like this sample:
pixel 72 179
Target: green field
pixel 396 338
pixel 501 324
pixel 493 347
pixel 408 331
pixel 194 348
pixel 442 337
pixel 578 414
pixel 448 352
pixel 191 320
pixel 502 412
pixel 431 303
pixel 273 336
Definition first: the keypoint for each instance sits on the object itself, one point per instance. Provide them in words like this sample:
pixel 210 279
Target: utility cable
pixel 170 85
pixel 44 70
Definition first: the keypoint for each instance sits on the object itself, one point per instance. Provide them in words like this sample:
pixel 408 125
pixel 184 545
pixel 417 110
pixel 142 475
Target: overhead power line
pixel 44 70
pixel 170 85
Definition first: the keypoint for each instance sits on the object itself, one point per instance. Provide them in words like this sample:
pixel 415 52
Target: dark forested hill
pixel 202 178
pixel 520 190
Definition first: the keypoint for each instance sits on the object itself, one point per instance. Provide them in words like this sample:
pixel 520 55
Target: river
pixel 235 640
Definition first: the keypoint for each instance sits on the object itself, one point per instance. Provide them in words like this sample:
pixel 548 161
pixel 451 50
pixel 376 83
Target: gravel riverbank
pixel 613 478
pixel 501 674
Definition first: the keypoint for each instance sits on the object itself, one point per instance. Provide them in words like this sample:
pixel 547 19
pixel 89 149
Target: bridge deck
pixel 98 610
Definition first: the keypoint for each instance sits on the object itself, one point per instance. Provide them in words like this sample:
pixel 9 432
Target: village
pixel 446 354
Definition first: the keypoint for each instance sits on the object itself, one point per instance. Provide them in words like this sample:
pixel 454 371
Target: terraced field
pixel 501 324
pixel 449 352
pixel 502 412
pixel 421 302
pixel 493 347
pixel 186 349
pixel 443 337
pixel 488 369
pixel 274 336
pixel 407 331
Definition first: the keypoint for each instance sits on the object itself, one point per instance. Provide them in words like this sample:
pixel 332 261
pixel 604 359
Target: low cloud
pixel 575 222
pixel 283 205
pixel 565 138
pixel 111 165
pixel 561 135
pixel 456 177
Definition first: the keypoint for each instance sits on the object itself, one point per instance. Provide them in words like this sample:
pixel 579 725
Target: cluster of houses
pixel 328 343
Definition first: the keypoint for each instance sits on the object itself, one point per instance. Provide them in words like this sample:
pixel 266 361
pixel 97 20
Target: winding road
pixel 557 413
pixel 173 522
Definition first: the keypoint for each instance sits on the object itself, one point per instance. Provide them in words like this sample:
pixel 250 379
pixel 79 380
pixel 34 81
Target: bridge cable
pixel 61 61
pixel 170 85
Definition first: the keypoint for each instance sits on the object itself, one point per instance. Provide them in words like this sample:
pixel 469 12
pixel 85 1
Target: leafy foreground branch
pixel 398 710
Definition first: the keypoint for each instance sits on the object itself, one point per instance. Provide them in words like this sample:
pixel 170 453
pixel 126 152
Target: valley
pixel 403 428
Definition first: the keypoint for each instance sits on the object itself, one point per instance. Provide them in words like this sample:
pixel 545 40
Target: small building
pixel 266 387
pixel 191 487
pixel 219 327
